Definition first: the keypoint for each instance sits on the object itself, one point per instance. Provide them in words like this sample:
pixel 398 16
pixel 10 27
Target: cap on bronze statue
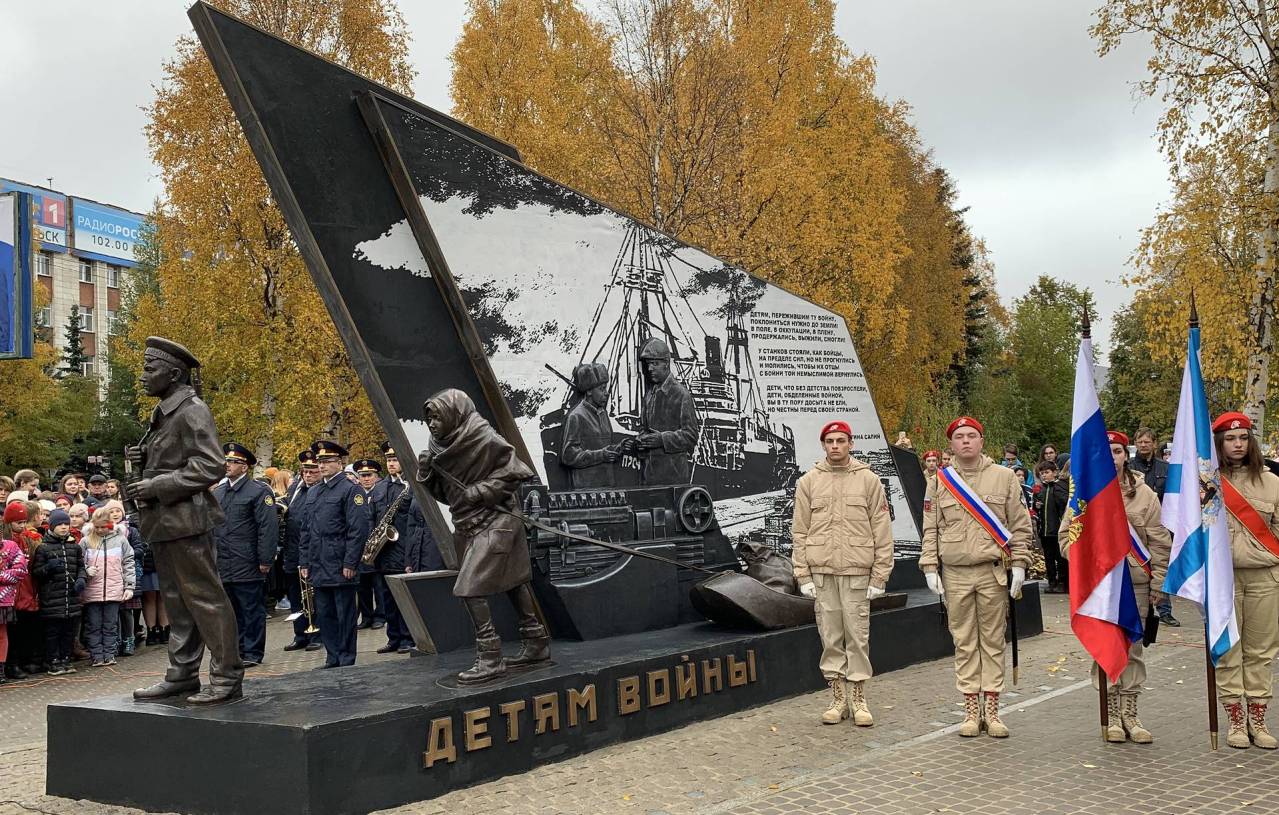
pixel 170 351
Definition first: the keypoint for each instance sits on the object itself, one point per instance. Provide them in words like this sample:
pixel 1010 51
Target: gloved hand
pixel 91 571
pixel 934 582
pixel 1018 578
pixel 808 590
pixel 79 585
pixel 128 595
pixel 873 591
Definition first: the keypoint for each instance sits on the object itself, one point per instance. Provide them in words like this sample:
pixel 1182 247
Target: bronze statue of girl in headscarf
pixel 478 474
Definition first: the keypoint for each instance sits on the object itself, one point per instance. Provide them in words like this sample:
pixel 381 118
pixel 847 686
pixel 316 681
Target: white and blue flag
pixel 1200 568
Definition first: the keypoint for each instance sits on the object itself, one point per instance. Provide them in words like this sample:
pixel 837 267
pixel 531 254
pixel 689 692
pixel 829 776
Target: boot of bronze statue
pixel 489 664
pixel 535 641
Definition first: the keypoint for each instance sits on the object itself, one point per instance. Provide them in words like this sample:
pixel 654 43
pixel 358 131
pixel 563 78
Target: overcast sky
pixel 1051 152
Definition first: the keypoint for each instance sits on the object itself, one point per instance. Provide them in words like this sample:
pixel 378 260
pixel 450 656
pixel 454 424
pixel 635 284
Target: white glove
pixel 91 571
pixel 128 595
pixel 1019 577
pixel 808 590
pixel 873 591
pixel 934 582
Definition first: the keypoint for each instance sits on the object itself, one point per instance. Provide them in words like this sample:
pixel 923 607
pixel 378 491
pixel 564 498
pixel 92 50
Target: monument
pixel 654 407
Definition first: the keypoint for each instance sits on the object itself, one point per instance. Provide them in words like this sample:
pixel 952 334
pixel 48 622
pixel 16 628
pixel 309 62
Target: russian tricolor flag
pixel 1103 607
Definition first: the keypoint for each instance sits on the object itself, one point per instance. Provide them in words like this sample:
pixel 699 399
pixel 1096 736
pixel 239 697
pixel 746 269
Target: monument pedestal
pixel 351 740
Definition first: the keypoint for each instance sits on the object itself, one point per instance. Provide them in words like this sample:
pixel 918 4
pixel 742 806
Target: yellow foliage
pixel 232 286
pixel 746 127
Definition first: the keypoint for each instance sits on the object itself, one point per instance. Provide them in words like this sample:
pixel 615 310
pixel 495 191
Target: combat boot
pixel 489 664
pixel 838 709
pixel 1257 726
pixel 1136 733
pixel 535 646
pixel 995 727
pixel 1238 734
pixel 971 726
pixel 857 707
pixel 1114 718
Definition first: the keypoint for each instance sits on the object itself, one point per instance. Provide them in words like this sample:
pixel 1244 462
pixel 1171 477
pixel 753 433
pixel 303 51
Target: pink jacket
pixel 112 567
pixel 13 567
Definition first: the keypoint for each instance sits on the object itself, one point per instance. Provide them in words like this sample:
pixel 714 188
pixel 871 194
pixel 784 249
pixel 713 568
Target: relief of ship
pixel 740 451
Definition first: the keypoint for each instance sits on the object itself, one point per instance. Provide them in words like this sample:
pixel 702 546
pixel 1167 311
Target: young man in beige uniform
pixel 975 570
pixel 843 539
pixel 1245 675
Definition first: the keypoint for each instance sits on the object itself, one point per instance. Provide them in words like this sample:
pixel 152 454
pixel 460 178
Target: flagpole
pixel 1085 332
pixel 1210 669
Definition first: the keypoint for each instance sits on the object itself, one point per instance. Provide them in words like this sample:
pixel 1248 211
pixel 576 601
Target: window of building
pixel 42 318
pixel 90 366
pixel 86 271
pixel 110 324
pixel 113 277
pixel 44 264
pixel 87 323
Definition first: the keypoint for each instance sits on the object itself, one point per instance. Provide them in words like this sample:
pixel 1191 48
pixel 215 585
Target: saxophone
pixel 384 531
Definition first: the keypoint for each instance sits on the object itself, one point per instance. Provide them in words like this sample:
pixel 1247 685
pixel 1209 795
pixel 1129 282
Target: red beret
pixel 1234 420
pixel 964 421
pixel 835 426
pixel 932 453
pixel 1115 437
pixel 16 511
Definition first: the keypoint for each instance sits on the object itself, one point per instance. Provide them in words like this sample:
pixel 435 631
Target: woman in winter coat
pixel 13 568
pixel 58 567
pixel 109 565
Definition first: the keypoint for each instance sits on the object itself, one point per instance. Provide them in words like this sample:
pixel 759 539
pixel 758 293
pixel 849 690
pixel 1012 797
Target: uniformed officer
pixel 843 553
pixel 369 596
pixel 295 500
pixel 333 535
pixel 391 560
pixel 247 540
pixel 588 450
pixel 1250 492
pixel 979 568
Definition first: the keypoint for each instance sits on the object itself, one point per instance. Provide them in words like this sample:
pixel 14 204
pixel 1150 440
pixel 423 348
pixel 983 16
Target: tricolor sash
pixel 1139 551
pixel 1247 515
pixel 954 483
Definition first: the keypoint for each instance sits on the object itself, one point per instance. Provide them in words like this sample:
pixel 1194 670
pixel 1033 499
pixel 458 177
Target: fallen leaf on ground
pixel 1090 766
pixel 917 773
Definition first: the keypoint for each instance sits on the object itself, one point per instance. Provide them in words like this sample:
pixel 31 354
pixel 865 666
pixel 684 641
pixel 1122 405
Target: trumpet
pixel 308 606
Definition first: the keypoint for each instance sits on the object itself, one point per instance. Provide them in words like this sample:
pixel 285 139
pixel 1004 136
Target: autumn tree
pixel 1216 69
pixel 1141 391
pixel 229 281
pixel 746 127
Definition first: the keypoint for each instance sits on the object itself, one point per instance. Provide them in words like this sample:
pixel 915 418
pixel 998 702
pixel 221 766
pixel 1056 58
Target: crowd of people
pixel 79 585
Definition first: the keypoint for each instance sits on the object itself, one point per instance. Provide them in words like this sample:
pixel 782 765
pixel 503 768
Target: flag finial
pixel 1085 329
pixel 1194 312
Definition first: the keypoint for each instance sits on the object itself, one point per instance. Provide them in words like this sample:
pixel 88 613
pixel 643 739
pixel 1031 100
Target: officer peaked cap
pixel 238 452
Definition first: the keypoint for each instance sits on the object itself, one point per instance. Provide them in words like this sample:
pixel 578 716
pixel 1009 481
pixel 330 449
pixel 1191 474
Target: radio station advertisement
pixel 49 226
pixel 105 233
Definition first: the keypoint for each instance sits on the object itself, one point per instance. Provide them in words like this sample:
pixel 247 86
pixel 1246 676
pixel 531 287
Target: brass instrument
pixel 308 606
pixel 384 531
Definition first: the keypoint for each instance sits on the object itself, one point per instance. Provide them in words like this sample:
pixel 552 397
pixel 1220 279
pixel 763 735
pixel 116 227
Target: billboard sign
pixel 105 233
pixel 49 226
pixel 15 276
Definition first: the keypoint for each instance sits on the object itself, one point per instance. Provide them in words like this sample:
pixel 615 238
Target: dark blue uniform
pixel 372 595
pixel 333 535
pixel 247 539
pixel 391 560
pixel 422 553
pixel 295 499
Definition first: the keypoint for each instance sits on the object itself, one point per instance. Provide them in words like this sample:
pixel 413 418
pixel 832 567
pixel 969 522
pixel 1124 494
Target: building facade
pixel 83 251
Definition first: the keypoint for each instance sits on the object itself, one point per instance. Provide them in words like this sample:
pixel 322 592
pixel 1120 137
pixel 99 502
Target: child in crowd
pixel 6 487
pixel 109 566
pixel 58 567
pixel 25 645
pixel 13 569
pixel 79 520
pixel 129 608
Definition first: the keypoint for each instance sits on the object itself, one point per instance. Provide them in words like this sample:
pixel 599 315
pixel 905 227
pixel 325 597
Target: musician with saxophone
pixel 294 501
pixel 389 504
